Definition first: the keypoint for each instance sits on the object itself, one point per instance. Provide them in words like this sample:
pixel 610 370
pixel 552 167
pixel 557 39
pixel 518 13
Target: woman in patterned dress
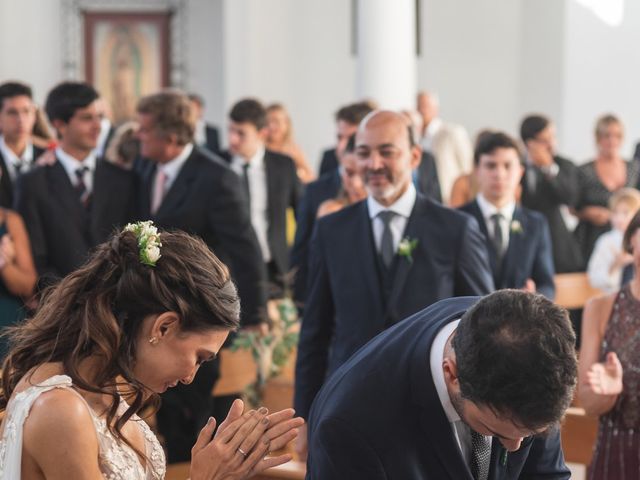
pixel 599 179
pixel 140 316
pixel 609 373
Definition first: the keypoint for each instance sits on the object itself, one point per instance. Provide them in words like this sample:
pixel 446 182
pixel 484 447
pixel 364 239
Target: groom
pixel 466 389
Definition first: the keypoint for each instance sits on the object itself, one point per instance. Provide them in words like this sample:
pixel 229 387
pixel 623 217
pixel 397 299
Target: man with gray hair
pixel 380 260
pixel 188 188
pixel 449 143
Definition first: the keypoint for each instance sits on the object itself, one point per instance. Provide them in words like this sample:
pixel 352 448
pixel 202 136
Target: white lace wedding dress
pixel 117 460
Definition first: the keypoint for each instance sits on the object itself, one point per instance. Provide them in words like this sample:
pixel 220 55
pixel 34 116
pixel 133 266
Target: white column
pixel 386 57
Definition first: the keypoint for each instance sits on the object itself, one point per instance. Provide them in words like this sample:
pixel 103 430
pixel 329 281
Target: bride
pixel 140 316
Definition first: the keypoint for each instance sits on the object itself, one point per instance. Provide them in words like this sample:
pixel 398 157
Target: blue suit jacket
pixel 349 302
pixel 326 187
pixel 529 254
pixel 379 416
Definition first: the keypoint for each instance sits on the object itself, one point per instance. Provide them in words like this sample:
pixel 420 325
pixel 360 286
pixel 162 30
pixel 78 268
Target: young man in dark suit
pixel 550 186
pixel 517 239
pixel 270 182
pixel 75 203
pixel 187 188
pixel 347 120
pixel 467 389
pixel 17 153
pixel 381 260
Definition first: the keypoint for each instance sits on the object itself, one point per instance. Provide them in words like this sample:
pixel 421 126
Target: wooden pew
pixel 573 290
pixel 578 434
pixel 237 372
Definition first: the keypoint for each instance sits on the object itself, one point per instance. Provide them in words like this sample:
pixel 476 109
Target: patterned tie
pixel 497 239
pixel 158 190
pixel 480 456
pixel 387 251
pixel 81 186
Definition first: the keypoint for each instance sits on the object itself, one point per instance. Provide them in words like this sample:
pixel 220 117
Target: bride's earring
pixel 153 340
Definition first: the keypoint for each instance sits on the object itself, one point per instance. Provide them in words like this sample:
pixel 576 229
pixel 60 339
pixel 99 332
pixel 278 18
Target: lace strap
pixel 17 412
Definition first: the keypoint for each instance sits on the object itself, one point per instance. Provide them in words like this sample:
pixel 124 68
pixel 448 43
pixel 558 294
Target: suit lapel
pixel 66 194
pixel 363 241
pixel 516 245
pixel 272 187
pixel 180 188
pixel 147 174
pixel 414 229
pixel 6 187
pixel 493 259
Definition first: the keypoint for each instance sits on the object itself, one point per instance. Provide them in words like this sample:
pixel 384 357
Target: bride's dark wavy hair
pixel 98 310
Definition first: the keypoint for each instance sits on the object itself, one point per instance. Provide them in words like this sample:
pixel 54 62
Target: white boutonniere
pixel 516 226
pixel 148 241
pixel 406 247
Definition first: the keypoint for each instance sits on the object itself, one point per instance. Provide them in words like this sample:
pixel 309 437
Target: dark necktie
pixel 19 167
pixel 81 186
pixel 387 251
pixel 497 240
pixel 245 180
pixel 480 455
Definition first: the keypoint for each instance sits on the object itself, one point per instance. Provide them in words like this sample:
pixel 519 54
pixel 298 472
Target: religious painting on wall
pixel 126 57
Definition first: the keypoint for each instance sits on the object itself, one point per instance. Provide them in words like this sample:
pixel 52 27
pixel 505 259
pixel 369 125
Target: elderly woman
pixel 599 179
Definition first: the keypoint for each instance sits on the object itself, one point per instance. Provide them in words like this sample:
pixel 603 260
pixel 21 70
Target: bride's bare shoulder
pixel 59 422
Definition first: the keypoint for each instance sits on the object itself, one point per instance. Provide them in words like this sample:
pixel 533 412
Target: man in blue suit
pixel 381 260
pixel 517 239
pixel 467 389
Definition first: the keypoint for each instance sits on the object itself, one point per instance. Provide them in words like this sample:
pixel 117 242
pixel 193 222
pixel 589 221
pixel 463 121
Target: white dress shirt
pixel 489 210
pixel 12 160
pixel 257 177
pixel 200 134
pixel 71 164
pixel 431 131
pixel 460 429
pixel 607 248
pixel 402 208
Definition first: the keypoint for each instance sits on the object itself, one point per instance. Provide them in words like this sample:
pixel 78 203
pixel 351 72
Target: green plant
pixel 272 351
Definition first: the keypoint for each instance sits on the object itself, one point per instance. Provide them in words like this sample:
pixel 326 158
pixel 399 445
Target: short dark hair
pixel 532 125
pixel 631 230
pixel 67 97
pixel 515 354
pixel 354 113
pixel 14 89
pixel 489 142
pixel 249 110
pixel 351 144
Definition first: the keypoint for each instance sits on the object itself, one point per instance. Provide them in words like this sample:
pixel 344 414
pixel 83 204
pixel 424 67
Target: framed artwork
pixel 126 56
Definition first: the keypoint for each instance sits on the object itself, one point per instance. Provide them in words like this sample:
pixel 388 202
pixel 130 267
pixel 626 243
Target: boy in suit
pixel 517 239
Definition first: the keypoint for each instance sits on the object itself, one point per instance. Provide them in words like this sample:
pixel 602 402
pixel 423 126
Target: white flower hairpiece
pixel 148 241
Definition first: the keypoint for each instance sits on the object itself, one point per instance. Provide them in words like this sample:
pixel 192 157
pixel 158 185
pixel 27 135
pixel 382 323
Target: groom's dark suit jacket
pixel 352 297
pixel 379 416
pixel 529 253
